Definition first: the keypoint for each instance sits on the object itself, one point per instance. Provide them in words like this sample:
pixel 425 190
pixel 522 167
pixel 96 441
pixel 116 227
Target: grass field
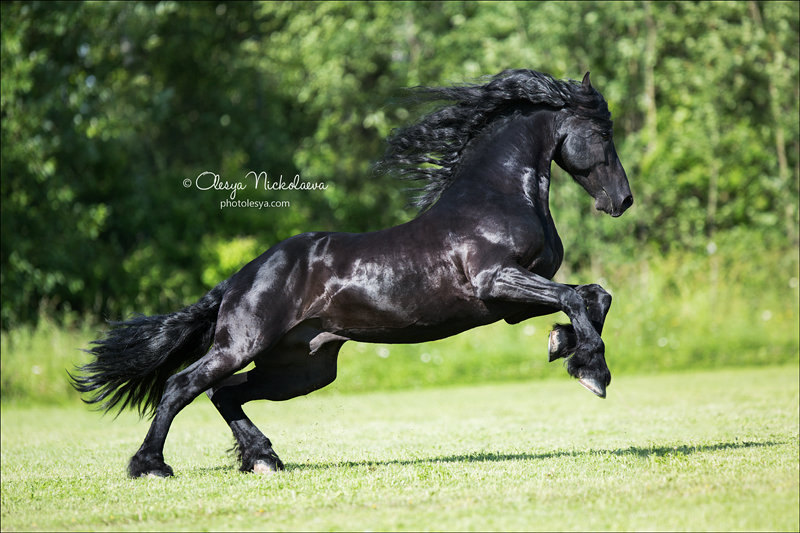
pixel 710 450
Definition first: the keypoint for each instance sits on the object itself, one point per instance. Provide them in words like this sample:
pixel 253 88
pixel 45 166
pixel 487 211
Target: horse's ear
pixel 586 83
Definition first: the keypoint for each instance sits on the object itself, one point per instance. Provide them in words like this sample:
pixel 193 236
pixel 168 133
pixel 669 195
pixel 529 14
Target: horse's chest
pixel 545 253
pixel 546 264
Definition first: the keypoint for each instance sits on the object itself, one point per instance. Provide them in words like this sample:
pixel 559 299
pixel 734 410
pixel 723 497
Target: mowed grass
pixel 712 450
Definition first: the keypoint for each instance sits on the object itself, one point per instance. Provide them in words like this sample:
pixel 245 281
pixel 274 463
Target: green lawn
pixel 712 450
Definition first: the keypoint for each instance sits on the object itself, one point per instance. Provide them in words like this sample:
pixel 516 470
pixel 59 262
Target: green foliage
pixel 675 452
pixel 106 112
pixel 108 107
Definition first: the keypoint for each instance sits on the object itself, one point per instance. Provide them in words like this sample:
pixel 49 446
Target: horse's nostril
pixel 627 202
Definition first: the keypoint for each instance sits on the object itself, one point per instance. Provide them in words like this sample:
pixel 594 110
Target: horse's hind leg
pixel 563 341
pixel 253 447
pixel 180 390
pixel 304 361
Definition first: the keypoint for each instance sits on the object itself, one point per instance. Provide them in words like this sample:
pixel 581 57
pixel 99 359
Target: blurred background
pixel 107 107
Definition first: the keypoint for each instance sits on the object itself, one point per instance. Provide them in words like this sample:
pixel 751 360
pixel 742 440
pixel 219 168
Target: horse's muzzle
pixel 626 203
pixel 605 204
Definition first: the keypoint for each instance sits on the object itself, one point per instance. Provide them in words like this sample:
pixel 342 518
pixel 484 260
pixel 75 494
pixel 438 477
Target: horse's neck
pixel 542 192
pixel 514 162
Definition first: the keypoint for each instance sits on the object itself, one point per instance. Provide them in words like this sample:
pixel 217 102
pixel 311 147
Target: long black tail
pixel 136 357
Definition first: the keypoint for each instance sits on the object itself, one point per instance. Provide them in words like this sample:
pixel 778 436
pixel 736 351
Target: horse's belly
pixel 426 316
pixel 413 333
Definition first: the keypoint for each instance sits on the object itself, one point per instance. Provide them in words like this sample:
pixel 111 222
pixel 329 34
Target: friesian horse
pixel 483 248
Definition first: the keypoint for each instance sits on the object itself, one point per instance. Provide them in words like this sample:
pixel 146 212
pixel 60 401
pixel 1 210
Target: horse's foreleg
pixel 302 362
pixel 514 283
pixel 562 340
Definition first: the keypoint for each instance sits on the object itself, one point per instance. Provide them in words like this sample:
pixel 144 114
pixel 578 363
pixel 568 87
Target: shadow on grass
pixel 478 457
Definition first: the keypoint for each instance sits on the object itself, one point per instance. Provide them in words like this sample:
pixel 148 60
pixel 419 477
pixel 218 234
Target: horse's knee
pixel 595 293
pixel 572 302
pixel 604 299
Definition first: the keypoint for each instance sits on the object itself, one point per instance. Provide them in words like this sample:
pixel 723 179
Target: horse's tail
pixel 136 357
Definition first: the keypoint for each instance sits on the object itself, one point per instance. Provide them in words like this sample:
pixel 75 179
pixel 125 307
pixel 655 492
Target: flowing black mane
pixel 429 151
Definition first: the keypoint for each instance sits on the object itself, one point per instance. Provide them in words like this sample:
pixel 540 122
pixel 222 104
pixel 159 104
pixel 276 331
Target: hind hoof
pixel 264 468
pixel 264 464
pixel 149 468
pixel 594 386
pixel 157 475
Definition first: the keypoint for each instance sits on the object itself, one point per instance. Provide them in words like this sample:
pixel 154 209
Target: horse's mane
pixel 430 150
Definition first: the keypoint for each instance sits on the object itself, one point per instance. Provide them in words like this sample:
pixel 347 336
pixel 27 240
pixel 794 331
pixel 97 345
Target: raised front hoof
pixel 148 467
pixel 562 342
pixel 265 464
pixel 593 385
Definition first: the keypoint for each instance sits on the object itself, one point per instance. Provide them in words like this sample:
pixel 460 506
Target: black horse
pixel 484 248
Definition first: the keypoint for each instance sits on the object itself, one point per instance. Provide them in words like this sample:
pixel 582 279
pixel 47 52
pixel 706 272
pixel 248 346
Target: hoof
pixel 264 468
pixel 153 473
pixel 148 467
pixel 561 342
pixel 264 464
pixel 593 385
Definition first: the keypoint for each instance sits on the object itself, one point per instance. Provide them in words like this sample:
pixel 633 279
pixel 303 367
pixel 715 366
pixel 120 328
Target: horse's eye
pixel 605 135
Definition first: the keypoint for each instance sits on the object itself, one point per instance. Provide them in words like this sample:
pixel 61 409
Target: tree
pixel 108 107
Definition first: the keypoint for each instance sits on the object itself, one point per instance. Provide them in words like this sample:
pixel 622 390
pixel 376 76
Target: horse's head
pixel 586 150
